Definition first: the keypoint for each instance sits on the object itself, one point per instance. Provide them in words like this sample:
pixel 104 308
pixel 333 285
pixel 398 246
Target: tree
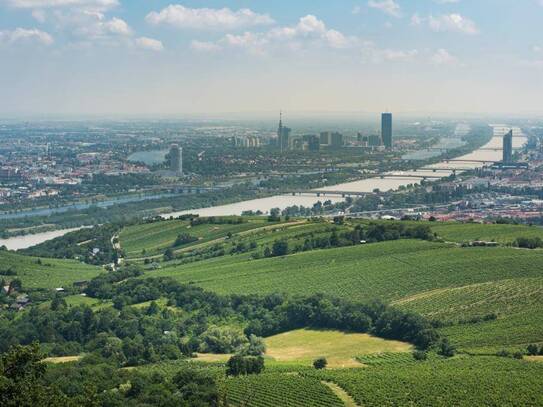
pixel 58 302
pixel 222 339
pixel 168 254
pixel 16 285
pixel 280 248
pixel 320 363
pixel 255 347
pixel 21 385
pixel 244 365
pixel 446 349
pixel 197 387
pixel 532 349
pixel 420 355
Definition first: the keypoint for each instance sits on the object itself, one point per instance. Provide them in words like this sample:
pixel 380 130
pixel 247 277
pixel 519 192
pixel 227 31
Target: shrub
pixel 244 365
pixel 446 349
pixel 420 355
pixel 532 349
pixel 320 363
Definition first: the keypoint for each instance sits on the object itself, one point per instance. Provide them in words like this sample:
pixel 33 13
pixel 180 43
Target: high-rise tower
pixel 508 147
pixel 176 159
pixel 386 129
pixel 283 134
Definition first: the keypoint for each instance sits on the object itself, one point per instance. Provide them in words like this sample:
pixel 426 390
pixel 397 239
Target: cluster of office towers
pixel 329 139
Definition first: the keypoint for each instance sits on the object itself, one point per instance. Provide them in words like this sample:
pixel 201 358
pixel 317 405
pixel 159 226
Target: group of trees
pixel 529 242
pixel 90 245
pixel 26 381
pixel 370 233
pixel 533 349
pixel 135 335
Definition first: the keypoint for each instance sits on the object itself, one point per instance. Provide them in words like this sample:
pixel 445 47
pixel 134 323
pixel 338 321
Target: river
pixel 492 151
pixel 23 242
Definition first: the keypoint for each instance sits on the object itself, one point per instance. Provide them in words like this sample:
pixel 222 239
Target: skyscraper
pixel 336 140
pixel 508 147
pixel 283 134
pixel 386 129
pixel 176 159
pixel 325 138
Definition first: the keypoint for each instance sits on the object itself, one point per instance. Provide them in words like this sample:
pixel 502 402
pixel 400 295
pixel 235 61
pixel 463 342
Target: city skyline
pixel 168 58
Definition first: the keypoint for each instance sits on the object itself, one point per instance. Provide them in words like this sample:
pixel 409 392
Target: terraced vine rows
pixel 467 381
pixel 279 389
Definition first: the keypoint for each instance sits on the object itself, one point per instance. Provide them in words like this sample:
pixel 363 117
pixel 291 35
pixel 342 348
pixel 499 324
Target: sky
pixel 158 58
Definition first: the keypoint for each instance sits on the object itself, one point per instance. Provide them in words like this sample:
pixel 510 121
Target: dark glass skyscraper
pixel 176 164
pixel 508 147
pixel 386 129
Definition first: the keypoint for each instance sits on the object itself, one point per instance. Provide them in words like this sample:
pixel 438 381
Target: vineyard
pixel 155 237
pixel 44 273
pixel 279 389
pixel 388 270
pixel 461 232
pixel 460 381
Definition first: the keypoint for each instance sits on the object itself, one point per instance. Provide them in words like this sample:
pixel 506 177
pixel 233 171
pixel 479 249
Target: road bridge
pixel 457 160
pixel 383 176
pixel 343 194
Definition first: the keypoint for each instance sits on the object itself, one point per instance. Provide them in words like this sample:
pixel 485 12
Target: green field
pixel 339 348
pixel 460 381
pixel 440 280
pixel 461 232
pixel 279 389
pixel 389 270
pixel 485 300
pixel 51 273
pixel 156 237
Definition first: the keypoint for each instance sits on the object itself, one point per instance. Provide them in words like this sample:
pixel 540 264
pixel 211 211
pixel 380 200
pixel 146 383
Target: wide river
pixel 492 151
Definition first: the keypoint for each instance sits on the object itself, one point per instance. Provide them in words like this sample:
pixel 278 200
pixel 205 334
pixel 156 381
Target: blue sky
pixel 154 57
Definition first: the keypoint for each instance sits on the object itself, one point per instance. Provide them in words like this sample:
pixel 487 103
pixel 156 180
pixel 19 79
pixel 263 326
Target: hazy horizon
pixel 167 58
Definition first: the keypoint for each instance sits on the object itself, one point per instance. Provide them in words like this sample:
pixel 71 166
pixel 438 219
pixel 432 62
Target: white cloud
pixel 117 26
pixel 356 10
pixel 39 15
pixel 371 53
pixel 24 34
pixel 91 25
pixel 443 57
pixel 310 27
pixel 416 19
pixel 537 48
pixel 205 46
pixel 37 4
pixel 452 22
pixel 308 32
pixel 389 7
pixel 149 44
pixel 207 18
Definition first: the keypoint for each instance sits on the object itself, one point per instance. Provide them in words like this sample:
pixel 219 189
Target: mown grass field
pixel 51 273
pixel 339 348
